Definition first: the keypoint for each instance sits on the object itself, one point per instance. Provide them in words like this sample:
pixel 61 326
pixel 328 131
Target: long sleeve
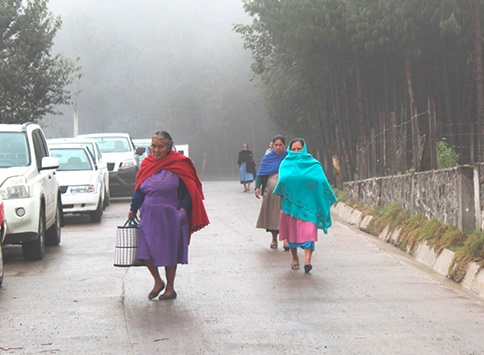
pixel 184 195
pixel 137 200
pixel 241 159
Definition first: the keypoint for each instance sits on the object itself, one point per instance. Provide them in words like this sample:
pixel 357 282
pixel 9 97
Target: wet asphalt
pixel 236 295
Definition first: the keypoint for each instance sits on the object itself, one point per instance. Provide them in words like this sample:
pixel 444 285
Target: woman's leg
pixel 159 284
pixel 274 239
pixel 308 253
pixel 170 272
pixel 295 259
pixel 286 245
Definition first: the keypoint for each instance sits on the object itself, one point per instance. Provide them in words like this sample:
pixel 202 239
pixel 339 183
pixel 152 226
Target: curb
pixel 423 253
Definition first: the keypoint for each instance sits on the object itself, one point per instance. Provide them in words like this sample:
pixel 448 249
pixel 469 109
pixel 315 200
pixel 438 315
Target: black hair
pixel 283 140
pixel 300 140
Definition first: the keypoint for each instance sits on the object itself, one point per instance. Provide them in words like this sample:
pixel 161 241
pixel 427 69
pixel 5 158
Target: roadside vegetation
pixel 33 81
pixel 447 157
pixel 368 78
pixel 415 229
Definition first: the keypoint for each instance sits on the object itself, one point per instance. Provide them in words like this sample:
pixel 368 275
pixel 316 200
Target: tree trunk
pixel 479 78
pixel 403 143
pixel 374 170
pixel 339 134
pixel 383 144
pixel 403 140
pixel 362 124
pixel 393 143
pixel 413 114
pixel 432 133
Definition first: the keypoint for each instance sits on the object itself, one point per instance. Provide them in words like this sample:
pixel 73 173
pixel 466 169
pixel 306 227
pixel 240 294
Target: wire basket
pixel 126 246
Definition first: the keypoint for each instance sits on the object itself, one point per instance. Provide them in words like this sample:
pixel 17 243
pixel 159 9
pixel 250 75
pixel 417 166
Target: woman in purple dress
pixel 169 196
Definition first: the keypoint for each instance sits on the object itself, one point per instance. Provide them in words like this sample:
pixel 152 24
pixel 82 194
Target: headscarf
pixel 270 163
pixel 305 190
pixel 182 166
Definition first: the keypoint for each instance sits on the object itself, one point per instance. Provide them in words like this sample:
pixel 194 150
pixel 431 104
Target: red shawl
pixel 182 166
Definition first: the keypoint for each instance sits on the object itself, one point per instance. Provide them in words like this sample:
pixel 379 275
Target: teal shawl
pixel 305 190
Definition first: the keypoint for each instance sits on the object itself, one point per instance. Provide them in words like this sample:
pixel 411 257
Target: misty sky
pixel 156 64
pixel 128 42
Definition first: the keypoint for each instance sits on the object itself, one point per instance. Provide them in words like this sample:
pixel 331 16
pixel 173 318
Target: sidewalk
pixel 425 254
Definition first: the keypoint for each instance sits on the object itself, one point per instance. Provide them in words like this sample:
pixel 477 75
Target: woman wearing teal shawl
pixel 306 201
pixel 265 182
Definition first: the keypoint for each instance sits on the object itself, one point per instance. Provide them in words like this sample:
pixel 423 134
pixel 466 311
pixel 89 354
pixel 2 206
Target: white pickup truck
pixel 122 159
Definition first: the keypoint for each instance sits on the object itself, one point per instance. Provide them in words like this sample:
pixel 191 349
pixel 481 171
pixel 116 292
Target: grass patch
pixel 341 195
pixel 416 229
pixel 392 216
pixel 472 250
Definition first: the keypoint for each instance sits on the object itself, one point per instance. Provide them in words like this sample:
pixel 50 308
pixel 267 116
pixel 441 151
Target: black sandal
pixel 155 293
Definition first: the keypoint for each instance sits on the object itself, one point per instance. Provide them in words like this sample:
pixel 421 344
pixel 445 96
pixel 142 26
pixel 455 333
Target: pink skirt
pixel 296 230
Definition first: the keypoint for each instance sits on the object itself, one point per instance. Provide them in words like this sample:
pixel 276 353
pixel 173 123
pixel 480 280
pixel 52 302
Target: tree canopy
pixel 32 81
pixel 337 71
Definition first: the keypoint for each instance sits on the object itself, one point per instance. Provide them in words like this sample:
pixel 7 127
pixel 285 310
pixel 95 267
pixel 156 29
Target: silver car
pixel 100 162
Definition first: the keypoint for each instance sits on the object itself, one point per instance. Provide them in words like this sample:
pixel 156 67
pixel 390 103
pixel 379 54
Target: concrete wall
pixel 447 195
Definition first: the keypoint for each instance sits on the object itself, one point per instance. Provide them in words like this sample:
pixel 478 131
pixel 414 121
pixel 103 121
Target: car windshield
pixel 71 159
pixel 113 144
pixel 14 150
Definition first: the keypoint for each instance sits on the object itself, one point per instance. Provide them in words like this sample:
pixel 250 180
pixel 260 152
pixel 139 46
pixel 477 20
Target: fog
pixel 171 65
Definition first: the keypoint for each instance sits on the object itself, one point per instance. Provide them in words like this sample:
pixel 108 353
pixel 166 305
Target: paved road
pixel 236 296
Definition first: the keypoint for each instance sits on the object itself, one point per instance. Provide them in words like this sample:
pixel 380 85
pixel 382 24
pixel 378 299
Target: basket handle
pixel 131 222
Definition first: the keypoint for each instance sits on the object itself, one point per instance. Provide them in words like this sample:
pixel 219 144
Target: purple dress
pixel 163 231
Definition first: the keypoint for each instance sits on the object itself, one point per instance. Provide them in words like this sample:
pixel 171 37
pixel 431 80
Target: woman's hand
pixel 257 192
pixel 131 215
pixel 183 215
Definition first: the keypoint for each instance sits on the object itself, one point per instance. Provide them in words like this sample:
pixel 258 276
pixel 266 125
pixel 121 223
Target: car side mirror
pixel 140 150
pixel 49 163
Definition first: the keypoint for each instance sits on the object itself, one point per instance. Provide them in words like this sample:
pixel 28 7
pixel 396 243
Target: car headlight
pixel 15 187
pixel 127 164
pixel 82 189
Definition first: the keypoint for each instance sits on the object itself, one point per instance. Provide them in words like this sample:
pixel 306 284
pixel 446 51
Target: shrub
pixel 447 157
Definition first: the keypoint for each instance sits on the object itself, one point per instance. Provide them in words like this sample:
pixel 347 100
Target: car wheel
pixel 98 213
pixel 1 265
pixel 53 236
pixel 106 199
pixel 34 250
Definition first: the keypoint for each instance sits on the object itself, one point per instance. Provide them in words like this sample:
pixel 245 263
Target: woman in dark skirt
pixel 265 182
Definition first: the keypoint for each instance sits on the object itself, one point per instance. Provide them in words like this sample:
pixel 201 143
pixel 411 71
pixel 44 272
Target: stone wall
pixel 446 195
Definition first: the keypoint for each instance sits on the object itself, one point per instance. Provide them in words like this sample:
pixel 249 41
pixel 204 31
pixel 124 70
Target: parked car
pixel 146 143
pixel 180 148
pixel 3 231
pixel 81 184
pixel 29 188
pixel 122 158
pixel 99 161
